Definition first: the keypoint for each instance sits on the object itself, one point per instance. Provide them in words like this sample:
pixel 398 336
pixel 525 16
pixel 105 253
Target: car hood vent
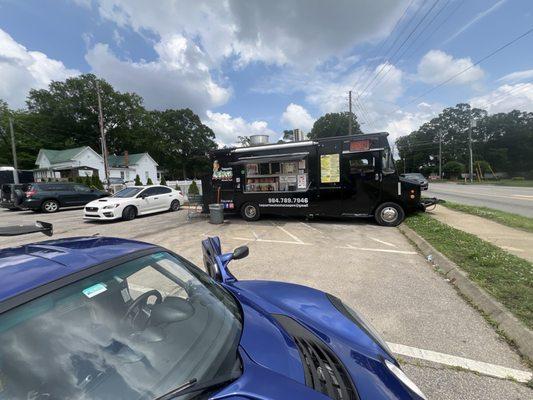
pixel 323 370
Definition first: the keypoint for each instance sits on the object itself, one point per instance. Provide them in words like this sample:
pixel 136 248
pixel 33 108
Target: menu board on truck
pixel 330 168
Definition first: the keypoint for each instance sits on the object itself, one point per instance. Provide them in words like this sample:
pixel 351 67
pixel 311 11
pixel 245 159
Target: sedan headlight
pixel 111 206
pixel 398 373
pixel 357 319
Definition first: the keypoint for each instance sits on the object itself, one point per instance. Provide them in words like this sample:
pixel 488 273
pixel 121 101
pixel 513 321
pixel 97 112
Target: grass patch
pixel 506 277
pixel 502 217
pixel 502 182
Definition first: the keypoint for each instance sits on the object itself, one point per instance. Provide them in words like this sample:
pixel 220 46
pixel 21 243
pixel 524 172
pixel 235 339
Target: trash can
pixel 216 213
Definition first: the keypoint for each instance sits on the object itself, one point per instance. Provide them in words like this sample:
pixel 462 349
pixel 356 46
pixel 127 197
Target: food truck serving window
pixel 276 174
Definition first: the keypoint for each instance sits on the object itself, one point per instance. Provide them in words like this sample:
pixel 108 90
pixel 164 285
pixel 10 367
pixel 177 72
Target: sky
pixel 259 67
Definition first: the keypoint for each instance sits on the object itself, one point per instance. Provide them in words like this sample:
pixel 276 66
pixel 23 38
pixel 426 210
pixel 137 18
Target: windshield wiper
pixel 193 386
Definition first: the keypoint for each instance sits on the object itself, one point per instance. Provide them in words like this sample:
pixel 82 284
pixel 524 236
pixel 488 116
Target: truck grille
pixel 323 370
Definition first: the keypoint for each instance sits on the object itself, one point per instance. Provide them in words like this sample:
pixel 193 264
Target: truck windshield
pixel 133 331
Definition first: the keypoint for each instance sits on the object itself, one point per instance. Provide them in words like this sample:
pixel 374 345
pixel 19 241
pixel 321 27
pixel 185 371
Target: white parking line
pixel 382 242
pixel 376 250
pixel 288 233
pixel 484 368
pixel 272 241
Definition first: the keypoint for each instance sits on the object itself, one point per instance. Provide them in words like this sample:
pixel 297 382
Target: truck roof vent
pixel 258 140
pixel 323 370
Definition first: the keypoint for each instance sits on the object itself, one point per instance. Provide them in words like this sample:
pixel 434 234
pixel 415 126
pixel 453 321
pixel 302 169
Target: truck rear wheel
pixel 250 212
pixel 389 214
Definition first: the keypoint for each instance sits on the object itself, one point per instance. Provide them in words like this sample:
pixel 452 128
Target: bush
pixel 193 188
pixel 452 169
pixel 163 181
pixel 138 180
pixel 149 182
pixel 178 187
pixel 96 183
pixel 87 180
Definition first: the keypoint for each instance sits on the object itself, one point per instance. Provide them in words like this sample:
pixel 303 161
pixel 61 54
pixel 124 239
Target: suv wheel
pixel 50 206
pixel 129 213
pixel 389 214
pixel 175 205
pixel 250 212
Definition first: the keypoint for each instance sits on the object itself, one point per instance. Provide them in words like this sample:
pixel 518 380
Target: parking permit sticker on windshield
pixel 158 256
pixel 94 290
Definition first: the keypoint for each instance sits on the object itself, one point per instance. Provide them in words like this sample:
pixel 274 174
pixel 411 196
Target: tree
pixel 334 124
pixel 193 188
pixel 149 182
pixel 453 169
pixel 96 182
pixel 163 181
pixel 138 180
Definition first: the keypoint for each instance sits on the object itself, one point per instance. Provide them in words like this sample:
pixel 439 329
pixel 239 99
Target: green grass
pixel 502 217
pixel 502 182
pixel 506 277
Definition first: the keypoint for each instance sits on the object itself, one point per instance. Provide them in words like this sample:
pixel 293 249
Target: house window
pixel 122 175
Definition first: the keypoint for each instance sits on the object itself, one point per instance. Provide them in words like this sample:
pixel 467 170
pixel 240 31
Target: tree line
pixel 65 115
pixel 501 142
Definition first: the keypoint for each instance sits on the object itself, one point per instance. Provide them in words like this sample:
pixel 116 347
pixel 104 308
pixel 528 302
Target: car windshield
pixel 415 175
pixel 136 330
pixel 128 192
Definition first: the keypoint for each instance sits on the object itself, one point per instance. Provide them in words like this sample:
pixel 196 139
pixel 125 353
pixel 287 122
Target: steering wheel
pixel 139 311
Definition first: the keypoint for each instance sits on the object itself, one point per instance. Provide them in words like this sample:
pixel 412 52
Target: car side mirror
pixel 240 252
pixel 142 196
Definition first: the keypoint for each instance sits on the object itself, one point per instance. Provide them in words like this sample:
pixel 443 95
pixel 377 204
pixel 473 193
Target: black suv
pixel 50 197
pixel 12 195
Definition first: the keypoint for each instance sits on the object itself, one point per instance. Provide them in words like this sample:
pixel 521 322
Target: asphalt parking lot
pixel 374 269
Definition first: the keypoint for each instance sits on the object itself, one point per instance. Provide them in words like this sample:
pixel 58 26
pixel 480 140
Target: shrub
pixel 163 181
pixel 453 169
pixel 138 180
pixel 193 188
pixel 96 182
pixel 149 182
pixel 178 187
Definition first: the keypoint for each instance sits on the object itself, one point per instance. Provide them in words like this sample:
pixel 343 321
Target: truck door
pixel 361 182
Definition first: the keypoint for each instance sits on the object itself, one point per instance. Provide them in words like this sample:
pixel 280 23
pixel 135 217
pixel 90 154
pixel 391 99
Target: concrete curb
pixel 506 322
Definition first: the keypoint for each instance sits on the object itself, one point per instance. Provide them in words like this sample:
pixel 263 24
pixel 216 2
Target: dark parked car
pixel 50 197
pixel 12 195
pixel 416 177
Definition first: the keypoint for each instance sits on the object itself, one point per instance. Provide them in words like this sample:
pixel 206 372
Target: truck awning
pixel 270 158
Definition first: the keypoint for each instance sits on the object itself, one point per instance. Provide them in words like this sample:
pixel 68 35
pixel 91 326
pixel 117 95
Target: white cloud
pixel 437 66
pixel 301 33
pixel 179 78
pixel 517 76
pixel 297 117
pixel 228 128
pixel 506 98
pixel 22 70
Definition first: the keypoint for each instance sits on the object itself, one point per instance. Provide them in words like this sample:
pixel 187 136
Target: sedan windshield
pixel 133 331
pixel 128 192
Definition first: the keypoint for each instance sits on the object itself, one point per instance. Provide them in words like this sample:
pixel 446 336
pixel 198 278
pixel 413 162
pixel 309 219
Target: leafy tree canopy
pixel 334 124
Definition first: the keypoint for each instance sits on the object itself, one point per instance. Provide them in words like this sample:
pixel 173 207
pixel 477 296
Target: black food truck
pixel 343 176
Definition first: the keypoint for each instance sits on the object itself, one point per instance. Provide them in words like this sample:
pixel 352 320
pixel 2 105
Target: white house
pixel 127 166
pixel 84 161
pixel 69 163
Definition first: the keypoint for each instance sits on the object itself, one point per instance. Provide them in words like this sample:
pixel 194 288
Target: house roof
pixel 119 161
pixel 60 156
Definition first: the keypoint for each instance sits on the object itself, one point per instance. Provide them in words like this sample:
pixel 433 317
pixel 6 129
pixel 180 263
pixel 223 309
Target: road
pixel 518 200
pixel 372 268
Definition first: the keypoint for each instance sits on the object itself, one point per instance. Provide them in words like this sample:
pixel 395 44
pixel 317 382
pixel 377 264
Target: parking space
pixel 374 269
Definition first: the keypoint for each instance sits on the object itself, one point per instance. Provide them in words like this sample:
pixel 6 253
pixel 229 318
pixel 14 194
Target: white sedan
pixel 132 201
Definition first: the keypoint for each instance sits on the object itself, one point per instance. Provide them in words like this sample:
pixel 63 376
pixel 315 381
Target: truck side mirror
pixel 240 252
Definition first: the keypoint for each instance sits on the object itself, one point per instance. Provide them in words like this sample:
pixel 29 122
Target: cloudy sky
pixel 256 66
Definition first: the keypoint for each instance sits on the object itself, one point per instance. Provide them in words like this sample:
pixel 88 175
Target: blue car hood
pixel 272 365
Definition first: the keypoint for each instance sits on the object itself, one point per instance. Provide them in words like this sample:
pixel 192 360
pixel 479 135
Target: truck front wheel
pixel 389 214
pixel 250 212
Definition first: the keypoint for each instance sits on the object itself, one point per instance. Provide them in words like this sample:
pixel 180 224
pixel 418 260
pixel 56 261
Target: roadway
pixel 518 200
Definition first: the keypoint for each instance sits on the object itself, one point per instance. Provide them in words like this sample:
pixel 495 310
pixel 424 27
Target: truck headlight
pixel 398 373
pixel 111 206
pixel 358 320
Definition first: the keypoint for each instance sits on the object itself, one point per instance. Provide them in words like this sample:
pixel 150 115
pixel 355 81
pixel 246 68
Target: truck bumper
pixel 428 202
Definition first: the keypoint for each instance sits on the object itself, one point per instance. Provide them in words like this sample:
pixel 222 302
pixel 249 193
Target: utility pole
pixel 440 154
pixel 350 108
pixel 14 150
pixel 471 164
pixel 102 135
